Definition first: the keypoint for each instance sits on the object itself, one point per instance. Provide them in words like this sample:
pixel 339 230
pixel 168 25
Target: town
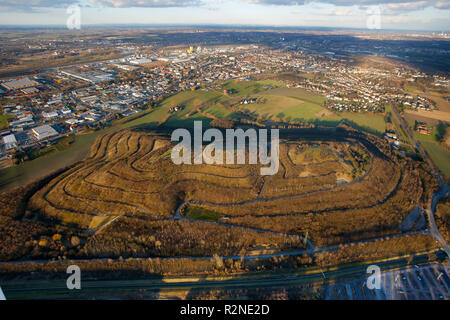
pixel 62 101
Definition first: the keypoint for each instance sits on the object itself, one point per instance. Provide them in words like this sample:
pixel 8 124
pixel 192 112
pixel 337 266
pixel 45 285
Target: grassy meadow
pixel 276 103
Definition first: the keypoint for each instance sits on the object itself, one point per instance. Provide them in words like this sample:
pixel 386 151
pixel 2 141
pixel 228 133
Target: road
pixel 54 289
pixel 443 192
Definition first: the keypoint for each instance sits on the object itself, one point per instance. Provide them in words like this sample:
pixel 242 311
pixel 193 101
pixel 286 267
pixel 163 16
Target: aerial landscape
pixel 225 159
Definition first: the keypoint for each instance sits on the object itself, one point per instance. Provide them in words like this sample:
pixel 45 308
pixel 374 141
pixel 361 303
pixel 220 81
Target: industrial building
pixel 20 83
pixel 44 132
pixel 141 61
pixel 10 142
pixel 91 76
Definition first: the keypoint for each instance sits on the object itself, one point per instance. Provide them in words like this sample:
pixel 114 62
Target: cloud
pixel 30 4
pixel 405 5
pixel 338 11
pixel 277 2
pixel 24 4
pixel 392 6
pixel 442 4
pixel 145 3
pixel 396 8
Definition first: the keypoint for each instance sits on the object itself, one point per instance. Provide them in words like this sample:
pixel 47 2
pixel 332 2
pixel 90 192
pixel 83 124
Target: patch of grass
pixel 398 129
pixel 282 104
pixel 284 109
pixel 298 93
pixel 433 137
pixel 411 88
pixel 372 123
pixel 290 104
pixel 3 121
pixel 198 213
pixel 98 221
pixel 191 100
pixel 42 166
pixel 176 121
pixel 250 87
pixel 439 155
pixel 311 155
pixel 62 144
pixel 150 119
pixel 219 112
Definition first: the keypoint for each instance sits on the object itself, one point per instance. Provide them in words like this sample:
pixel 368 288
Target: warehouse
pixel 21 83
pixel 10 142
pixel 44 132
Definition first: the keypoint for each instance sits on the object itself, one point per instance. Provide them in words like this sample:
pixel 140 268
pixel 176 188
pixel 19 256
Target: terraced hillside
pixel 131 200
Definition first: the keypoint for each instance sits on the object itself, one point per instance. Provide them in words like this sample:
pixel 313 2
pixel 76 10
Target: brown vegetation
pixel 120 203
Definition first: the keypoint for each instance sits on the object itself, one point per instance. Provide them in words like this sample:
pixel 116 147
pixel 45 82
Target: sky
pixel 427 15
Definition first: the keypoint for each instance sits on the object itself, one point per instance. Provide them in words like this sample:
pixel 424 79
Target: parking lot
pixel 429 282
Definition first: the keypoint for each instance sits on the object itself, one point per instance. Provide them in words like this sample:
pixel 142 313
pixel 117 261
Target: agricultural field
pixel 128 199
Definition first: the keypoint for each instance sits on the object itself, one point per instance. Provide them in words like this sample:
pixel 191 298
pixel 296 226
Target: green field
pixel 36 169
pixel 3 121
pixel 285 108
pixel 298 93
pixel 433 137
pixel 439 155
pixel 372 123
pixel 62 144
pixel 197 213
pixel 280 104
pixel 191 100
pixel 220 112
pixel 243 88
pixel 398 128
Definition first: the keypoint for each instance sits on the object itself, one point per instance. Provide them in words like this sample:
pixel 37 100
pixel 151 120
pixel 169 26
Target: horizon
pixel 395 15
pixel 216 26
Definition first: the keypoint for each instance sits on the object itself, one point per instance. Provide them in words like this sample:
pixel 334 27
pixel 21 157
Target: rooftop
pixel 19 83
pixel 44 132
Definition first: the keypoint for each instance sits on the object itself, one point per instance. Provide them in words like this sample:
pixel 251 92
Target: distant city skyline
pixel 394 14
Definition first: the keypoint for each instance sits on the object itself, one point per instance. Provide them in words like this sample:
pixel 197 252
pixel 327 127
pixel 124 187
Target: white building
pixel 66 111
pixel 49 115
pixel 10 141
pixel 44 132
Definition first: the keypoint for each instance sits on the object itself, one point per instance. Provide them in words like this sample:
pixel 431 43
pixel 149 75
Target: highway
pixel 55 289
